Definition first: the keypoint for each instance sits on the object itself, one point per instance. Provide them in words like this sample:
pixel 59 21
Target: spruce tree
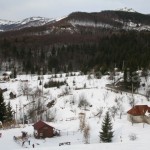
pixel 9 113
pixel 107 134
pixel 2 108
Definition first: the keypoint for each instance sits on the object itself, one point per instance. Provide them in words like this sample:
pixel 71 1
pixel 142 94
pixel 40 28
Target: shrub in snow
pixel 148 93
pixel 132 137
pixel 52 83
pixel 72 100
pixel 66 91
pixel 61 76
pixel 40 83
pixel 74 82
pixel 83 102
pixel 89 77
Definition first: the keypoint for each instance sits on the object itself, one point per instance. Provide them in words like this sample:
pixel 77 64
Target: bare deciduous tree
pixel 86 134
pixel 37 105
pixel 132 102
pixel 120 109
pixel 66 91
pixel 105 95
pixel 99 112
pixel 50 115
pixel 148 93
pixel 82 117
pixel 24 89
pixel 83 102
pixel 72 100
pixel 113 111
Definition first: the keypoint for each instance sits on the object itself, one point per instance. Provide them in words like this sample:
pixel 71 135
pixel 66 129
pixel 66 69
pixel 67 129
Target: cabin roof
pixel 40 124
pixel 139 110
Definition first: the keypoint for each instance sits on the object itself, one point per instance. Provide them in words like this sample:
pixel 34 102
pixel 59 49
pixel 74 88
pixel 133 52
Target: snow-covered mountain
pixel 126 9
pixel 6 25
pixel 125 18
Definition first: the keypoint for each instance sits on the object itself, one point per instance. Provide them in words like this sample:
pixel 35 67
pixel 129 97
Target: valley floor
pixel 67 116
pixel 69 133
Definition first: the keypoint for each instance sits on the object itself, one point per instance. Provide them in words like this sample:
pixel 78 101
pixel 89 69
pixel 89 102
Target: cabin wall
pixel 138 119
pixel 45 132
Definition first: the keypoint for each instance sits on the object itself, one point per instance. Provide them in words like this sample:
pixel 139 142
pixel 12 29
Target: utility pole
pixel 16 114
pixel 23 114
pixel 132 95
pixel 42 91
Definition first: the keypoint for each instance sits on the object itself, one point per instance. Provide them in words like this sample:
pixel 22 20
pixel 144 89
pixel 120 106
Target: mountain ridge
pixel 6 25
pixel 123 18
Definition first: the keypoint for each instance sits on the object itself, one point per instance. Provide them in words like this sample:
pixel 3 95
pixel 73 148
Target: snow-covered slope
pixel 6 25
pixel 6 22
pixel 35 21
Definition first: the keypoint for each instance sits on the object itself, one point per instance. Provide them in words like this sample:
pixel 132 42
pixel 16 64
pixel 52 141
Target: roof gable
pixel 40 124
pixel 139 110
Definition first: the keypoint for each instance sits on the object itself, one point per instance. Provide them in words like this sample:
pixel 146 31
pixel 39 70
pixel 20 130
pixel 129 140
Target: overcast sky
pixel 20 9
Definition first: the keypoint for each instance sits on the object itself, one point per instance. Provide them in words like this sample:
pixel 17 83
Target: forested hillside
pixel 76 43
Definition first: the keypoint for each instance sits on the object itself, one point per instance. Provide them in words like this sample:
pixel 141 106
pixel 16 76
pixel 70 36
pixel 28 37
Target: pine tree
pixel 2 108
pixel 9 113
pixel 107 134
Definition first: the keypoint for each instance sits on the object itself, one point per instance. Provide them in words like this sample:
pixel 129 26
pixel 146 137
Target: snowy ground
pixel 98 96
pixel 69 133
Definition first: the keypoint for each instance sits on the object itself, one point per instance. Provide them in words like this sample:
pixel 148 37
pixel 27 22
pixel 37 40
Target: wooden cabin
pixel 139 114
pixel 44 130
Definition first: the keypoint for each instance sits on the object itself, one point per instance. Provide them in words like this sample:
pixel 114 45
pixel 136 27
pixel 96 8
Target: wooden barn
pixel 44 130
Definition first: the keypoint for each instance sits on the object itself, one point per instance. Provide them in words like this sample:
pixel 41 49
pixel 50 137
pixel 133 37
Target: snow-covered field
pixel 67 114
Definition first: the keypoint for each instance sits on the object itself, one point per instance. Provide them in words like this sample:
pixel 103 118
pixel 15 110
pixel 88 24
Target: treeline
pixel 90 48
pixel 110 17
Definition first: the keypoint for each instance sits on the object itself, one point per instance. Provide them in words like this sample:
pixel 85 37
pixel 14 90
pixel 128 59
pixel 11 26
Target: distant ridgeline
pixel 81 41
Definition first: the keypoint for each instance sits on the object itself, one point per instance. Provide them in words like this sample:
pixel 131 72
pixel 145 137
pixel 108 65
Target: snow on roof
pixel 5 72
pixel 8 72
pixel 40 124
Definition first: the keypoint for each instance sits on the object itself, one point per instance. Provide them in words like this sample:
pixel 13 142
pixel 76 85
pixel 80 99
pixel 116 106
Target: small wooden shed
pixel 43 130
pixel 139 114
pixel 12 95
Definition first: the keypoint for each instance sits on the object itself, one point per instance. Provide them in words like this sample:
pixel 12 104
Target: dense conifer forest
pixel 64 47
